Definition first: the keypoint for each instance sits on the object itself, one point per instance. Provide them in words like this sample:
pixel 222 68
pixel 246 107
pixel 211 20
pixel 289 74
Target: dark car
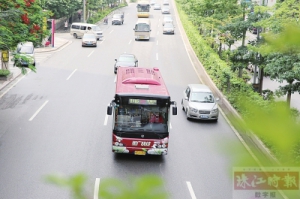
pixel 117 19
pixel 253 30
pixel 125 60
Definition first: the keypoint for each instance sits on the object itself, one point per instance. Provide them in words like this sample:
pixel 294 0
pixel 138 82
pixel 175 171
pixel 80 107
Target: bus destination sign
pixel 142 102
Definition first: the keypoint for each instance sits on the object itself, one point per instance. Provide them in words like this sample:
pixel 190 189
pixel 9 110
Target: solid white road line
pixel 90 53
pixel 105 120
pixel 111 31
pixel 35 114
pixel 129 42
pixel 71 74
pixel 156 56
pixel 96 188
pixel 189 185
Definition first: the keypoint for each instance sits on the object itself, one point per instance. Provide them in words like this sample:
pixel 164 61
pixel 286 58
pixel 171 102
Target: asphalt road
pixel 54 121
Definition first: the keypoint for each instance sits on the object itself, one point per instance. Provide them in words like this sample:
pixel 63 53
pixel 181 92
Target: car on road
pixel 168 28
pixel 166 2
pixel 152 2
pixel 199 103
pixel 157 6
pixel 89 39
pixel 167 19
pixel 125 60
pixel 117 19
pixel 165 10
pixel 26 49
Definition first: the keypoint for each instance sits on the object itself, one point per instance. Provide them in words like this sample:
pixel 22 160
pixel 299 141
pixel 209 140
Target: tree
pixel 63 8
pixel 285 67
pixel 20 21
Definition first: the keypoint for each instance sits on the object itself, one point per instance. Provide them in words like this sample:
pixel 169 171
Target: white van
pixel 142 29
pixel 78 29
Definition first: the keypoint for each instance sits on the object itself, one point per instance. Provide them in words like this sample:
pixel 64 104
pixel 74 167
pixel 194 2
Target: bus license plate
pixel 140 153
pixel 204 116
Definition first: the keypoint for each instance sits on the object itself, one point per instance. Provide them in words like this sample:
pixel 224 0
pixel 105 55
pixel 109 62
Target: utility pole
pixel 83 12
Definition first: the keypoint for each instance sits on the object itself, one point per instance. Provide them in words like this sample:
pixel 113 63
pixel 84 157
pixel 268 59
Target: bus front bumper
pixel 140 151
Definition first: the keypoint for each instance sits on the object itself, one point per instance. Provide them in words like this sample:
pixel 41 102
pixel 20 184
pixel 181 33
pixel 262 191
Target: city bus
pixel 141 111
pixel 143 9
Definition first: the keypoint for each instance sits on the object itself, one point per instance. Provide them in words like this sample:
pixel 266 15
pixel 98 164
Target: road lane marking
pixel 96 188
pixel 189 185
pixel 111 31
pixel 71 74
pixel 157 33
pixel 105 120
pixel 90 53
pixel 35 114
pixel 129 42
pixel 102 41
pixel 156 56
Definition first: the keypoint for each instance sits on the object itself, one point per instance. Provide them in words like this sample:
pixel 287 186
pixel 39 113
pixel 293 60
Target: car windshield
pixel 142 27
pixel 126 59
pixel 203 97
pixel 96 28
pixel 89 36
pixel 26 50
pixel 168 25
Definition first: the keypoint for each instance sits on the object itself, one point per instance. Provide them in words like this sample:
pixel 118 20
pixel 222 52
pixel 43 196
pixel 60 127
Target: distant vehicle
pixel 199 103
pixel 125 60
pixel 157 6
pixel 89 39
pixel 253 30
pixel 166 2
pixel 141 111
pixel 27 49
pixel 142 29
pixel 165 10
pixel 143 9
pixel 78 29
pixel 117 19
pixel 168 28
pixel 167 19
pixel 152 2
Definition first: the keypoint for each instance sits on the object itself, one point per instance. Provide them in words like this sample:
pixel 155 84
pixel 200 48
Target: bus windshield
pixel 138 117
pixel 142 27
pixel 143 8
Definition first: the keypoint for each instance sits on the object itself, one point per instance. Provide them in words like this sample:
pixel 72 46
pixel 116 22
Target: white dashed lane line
pixel 96 188
pixel 71 74
pixel 189 185
pixel 37 112
pixel 90 53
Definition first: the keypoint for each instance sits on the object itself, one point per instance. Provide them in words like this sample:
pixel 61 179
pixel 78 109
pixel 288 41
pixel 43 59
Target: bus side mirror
pixel 109 110
pixel 174 110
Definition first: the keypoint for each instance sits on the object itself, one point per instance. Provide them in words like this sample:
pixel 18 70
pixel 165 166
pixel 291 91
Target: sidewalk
pixel 58 43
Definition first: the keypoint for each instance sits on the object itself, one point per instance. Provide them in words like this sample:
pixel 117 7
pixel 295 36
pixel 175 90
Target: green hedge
pixel 4 72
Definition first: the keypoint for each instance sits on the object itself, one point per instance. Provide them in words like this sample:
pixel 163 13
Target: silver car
pixel 157 6
pixel 89 39
pixel 165 10
pixel 167 19
pixel 199 103
pixel 168 28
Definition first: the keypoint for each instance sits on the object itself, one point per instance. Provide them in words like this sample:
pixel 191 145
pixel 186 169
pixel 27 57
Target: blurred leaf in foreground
pixel 285 42
pixel 146 187
pixel 75 183
pixel 276 124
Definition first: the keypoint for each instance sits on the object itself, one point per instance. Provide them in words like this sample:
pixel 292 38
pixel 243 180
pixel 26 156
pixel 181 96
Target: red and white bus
pixel 141 112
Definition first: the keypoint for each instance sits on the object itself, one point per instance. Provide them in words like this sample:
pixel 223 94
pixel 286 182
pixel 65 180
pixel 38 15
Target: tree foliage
pixel 63 8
